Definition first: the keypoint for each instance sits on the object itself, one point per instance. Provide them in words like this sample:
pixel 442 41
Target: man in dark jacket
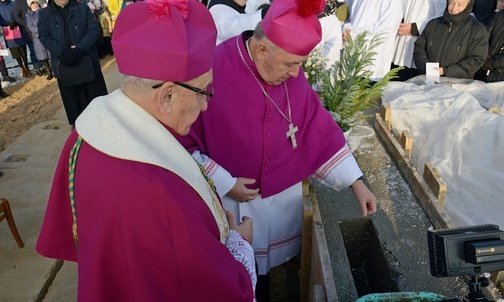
pixel 68 31
pixel 484 10
pixel 457 41
pixel 19 9
pixel 493 68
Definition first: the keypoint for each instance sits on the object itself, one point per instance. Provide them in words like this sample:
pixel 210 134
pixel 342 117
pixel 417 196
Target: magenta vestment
pixel 144 234
pixel 244 133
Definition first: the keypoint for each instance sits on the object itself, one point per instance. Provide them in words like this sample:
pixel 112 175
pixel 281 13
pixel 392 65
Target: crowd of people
pixel 456 34
pixel 185 183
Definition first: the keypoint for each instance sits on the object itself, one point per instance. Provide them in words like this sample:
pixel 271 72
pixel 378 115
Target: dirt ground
pixel 30 102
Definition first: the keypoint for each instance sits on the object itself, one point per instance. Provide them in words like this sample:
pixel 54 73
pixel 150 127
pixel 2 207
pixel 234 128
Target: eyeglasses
pixel 208 94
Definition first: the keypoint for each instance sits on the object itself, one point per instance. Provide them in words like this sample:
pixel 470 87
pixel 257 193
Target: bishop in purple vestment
pixel 265 131
pixel 128 203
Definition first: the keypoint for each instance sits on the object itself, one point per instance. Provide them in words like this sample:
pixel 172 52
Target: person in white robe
pixel 332 39
pixel 416 16
pixel 376 17
pixel 231 18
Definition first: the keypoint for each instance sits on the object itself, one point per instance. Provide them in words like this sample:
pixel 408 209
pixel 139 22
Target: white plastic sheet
pixel 453 130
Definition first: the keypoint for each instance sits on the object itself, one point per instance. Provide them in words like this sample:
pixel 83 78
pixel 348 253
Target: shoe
pixel 9 79
pixel 3 94
pixel 40 72
pixel 50 76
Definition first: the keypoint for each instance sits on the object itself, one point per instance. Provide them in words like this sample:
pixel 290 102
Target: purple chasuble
pixel 243 131
pixel 144 234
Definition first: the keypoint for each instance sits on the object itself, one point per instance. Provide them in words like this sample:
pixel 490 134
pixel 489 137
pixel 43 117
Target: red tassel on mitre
pixel 310 7
pixel 161 8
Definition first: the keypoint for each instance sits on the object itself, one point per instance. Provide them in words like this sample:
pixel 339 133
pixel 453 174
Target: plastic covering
pixel 452 129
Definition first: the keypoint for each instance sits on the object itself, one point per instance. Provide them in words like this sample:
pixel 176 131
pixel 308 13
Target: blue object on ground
pixel 402 297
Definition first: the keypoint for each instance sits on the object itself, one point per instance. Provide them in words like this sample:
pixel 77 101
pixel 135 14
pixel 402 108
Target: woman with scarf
pixel 456 40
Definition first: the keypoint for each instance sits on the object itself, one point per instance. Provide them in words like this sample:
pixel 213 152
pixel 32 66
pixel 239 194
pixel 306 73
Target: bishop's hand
pixel 245 228
pixel 366 198
pixel 240 192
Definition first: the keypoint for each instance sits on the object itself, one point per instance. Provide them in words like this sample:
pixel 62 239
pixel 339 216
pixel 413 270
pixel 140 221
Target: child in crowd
pixel 32 17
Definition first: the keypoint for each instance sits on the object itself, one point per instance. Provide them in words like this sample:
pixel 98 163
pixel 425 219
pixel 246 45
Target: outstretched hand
pixel 240 192
pixel 365 198
pixel 245 228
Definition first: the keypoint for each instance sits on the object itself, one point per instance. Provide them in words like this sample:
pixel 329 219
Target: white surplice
pixel 377 17
pixel 332 40
pixel 419 12
pixel 231 23
pixel 278 218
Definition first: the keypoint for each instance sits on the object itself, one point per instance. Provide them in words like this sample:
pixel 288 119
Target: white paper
pixel 4 52
pixel 431 69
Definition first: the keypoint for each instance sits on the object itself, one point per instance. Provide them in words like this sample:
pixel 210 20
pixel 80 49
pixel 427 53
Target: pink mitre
pixel 293 25
pixel 166 40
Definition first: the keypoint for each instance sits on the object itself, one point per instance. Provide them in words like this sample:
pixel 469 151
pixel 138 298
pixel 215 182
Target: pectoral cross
pixel 292 135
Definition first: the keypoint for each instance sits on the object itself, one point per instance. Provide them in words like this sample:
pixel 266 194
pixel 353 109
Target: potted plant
pixel 346 86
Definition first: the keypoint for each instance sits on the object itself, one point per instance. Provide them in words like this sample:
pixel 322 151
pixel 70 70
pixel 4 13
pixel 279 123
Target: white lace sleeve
pixel 243 252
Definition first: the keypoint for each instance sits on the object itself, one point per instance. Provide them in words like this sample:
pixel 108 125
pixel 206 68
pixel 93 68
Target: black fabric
pixel 460 17
pixel 263 288
pixel 240 9
pixel 495 75
pixel 70 56
pixel 64 12
pixel 458 42
pixel 414 30
pixel 79 73
pixel 19 9
pixel 264 10
pixel 405 73
pixel 493 67
pixel 77 98
pixel 79 26
pixel 484 10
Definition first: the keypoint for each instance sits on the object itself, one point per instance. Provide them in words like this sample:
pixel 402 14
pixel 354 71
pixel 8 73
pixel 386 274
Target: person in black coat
pixel 493 68
pixel 457 41
pixel 19 10
pixel 484 10
pixel 68 31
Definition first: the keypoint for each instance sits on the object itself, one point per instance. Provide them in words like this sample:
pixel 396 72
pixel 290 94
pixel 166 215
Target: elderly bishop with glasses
pixel 128 203
pixel 265 131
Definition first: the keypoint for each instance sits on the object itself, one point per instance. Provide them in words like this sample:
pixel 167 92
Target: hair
pixel 259 32
pixel 261 37
pixel 138 85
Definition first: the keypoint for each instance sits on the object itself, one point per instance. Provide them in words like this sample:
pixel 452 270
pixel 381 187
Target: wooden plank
pixel 306 242
pixel 386 113
pixel 406 142
pixel 419 187
pixel 427 199
pixel 321 269
pixel 435 181
pixel 306 187
pixel 497 278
